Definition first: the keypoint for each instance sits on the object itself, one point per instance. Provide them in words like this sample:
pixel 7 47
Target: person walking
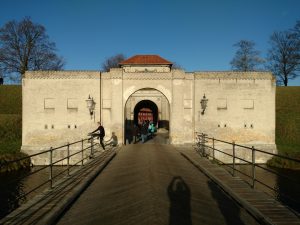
pixel 144 131
pixel 101 134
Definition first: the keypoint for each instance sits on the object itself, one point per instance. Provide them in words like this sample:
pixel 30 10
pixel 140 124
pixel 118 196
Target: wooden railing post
pixel 50 167
pixel 253 167
pixel 213 145
pixel 81 152
pixel 233 158
pixel 202 144
pixel 92 147
pixel 68 158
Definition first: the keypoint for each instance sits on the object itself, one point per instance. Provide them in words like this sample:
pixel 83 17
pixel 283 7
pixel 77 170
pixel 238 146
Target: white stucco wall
pixel 241 106
pixel 54 107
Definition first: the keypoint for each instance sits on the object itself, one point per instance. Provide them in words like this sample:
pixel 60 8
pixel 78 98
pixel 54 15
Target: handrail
pixel 208 151
pixel 258 150
pixel 85 153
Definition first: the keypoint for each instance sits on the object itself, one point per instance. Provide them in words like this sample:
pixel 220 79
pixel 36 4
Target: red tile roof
pixel 145 60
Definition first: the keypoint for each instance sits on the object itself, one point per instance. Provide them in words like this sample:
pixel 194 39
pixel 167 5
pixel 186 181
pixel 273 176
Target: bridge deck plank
pixel 136 188
pixel 259 202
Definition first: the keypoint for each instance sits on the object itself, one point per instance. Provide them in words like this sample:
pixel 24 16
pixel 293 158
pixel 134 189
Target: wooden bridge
pixel 152 184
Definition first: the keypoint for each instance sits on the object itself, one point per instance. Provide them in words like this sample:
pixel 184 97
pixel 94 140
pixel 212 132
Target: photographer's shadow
pixel 180 202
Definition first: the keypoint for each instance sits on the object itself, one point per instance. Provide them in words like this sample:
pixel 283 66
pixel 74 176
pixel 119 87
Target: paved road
pixel 153 184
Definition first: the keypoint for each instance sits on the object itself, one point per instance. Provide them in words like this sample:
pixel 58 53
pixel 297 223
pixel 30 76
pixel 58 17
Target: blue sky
pixel 197 34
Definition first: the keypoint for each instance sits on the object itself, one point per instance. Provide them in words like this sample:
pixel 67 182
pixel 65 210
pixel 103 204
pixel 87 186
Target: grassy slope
pixel 10 118
pixel 287 118
pixel 10 99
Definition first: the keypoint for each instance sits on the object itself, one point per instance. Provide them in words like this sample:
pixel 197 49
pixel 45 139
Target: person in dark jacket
pixel 100 134
pixel 144 132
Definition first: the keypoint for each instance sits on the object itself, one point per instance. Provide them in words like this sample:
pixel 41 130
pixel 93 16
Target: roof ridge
pixel 145 60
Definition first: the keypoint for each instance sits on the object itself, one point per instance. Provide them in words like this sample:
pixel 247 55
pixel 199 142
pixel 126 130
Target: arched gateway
pixel 146 104
pixel 240 106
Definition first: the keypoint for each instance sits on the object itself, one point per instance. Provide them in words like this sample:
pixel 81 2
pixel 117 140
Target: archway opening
pixel 149 105
pixel 145 110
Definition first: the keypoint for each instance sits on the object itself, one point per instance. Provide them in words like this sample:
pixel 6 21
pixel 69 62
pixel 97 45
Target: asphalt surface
pixel 153 184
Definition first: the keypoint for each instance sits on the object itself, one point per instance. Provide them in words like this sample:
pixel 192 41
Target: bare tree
pixel 246 57
pixel 175 65
pixel 112 62
pixel 283 56
pixel 296 33
pixel 25 46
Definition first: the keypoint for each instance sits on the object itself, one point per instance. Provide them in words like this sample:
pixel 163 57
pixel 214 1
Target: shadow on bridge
pixel 226 206
pixel 180 202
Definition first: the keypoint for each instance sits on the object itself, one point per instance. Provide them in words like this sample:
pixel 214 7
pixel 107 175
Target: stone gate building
pixel 240 105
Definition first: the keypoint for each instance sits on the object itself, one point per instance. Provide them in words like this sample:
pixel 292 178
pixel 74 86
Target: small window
pixel 69 126
pixel 247 103
pixel 72 103
pixel 52 126
pixel 221 103
pixel 49 103
pixel 46 126
pixel 75 126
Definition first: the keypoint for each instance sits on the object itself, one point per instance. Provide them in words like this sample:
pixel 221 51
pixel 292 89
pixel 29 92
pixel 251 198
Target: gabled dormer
pixel 146 63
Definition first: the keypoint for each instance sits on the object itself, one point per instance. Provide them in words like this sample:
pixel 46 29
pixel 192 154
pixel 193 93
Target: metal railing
pixel 206 147
pixel 86 151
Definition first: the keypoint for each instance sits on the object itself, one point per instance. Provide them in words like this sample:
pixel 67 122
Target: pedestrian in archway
pixel 144 131
pixel 128 132
pixel 135 133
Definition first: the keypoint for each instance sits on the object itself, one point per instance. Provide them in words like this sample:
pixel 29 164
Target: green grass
pixel 10 99
pixel 288 119
pixel 10 133
pixel 287 127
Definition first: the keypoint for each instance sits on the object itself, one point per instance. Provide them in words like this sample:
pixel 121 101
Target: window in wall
pixel 72 105
pixel 49 104
pixel 247 103
pixel 221 104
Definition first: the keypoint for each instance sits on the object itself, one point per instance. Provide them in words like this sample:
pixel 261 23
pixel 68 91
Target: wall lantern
pixel 203 103
pixel 91 105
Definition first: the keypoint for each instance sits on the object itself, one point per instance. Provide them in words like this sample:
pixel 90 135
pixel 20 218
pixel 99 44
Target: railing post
pixel 253 167
pixel 203 144
pixel 68 158
pixel 50 166
pixel 92 147
pixel 233 158
pixel 81 152
pixel 213 145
